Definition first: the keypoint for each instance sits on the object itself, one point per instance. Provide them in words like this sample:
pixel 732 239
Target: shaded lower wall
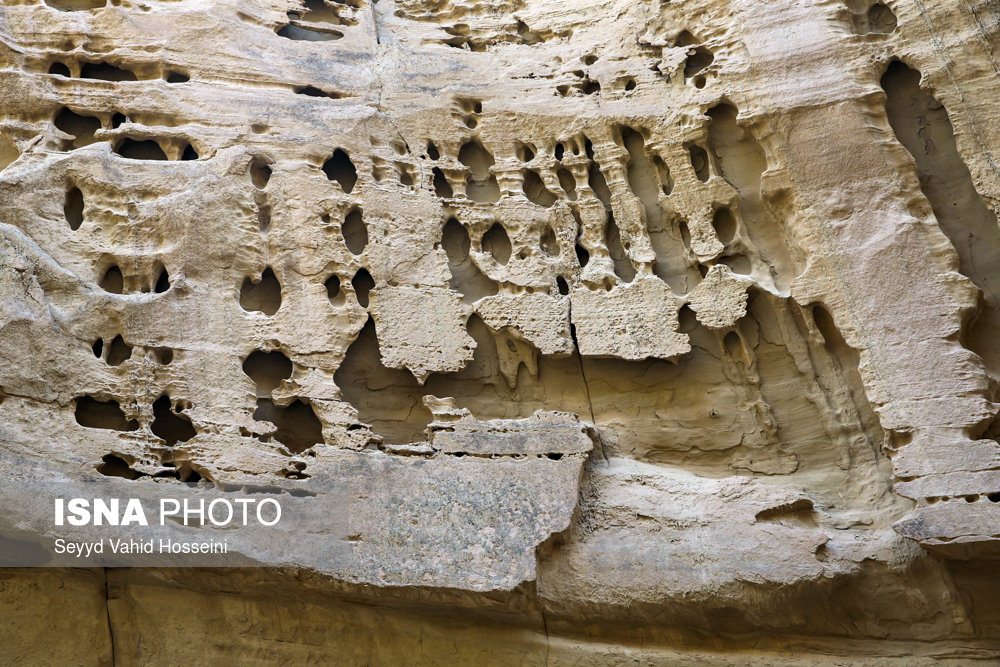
pixel 196 617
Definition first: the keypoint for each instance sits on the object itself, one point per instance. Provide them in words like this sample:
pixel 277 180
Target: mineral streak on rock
pixel 635 331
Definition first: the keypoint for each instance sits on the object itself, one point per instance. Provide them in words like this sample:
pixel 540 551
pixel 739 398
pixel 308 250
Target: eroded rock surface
pixel 652 331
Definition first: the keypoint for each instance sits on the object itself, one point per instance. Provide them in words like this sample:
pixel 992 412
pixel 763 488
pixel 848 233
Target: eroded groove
pixel 921 124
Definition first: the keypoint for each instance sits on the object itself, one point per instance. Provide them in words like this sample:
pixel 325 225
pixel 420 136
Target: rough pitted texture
pixel 663 332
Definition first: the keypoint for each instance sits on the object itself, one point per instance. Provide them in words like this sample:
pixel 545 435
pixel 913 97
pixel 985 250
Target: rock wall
pixel 649 331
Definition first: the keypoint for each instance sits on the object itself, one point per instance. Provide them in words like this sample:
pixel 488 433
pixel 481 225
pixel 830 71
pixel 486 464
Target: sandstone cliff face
pixel 650 331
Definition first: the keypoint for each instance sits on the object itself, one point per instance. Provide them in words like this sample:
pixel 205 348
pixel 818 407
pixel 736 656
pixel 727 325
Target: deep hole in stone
pixel 394 413
pixel 481 184
pixel 118 351
pixel 189 153
pixel 298 428
pixel 724 224
pixel 597 182
pixel 567 183
pixel 497 243
pixel 562 285
pixel 738 263
pixel 301 34
pixel 260 172
pixel 685 38
pixel 612 239
pixel 267 370
pixel 643 176
pixel 98 347
pixel 82 128
pixel 59 69
pixel 162 282
pixel 73 208
pixel 362 283
pixel 629 84
pixel 263 296
pixel 699 161
pixel 881 19
pixel 535 190
pixel 663 171
pixel 311 91
pixel 687 319
pixel 548 242
pixel 466 277
pixel 734 346
pixel 164 355
pixel 169 425
pixel 333 291
pixel 582 256
pixel 115 466
pixel 442 188
pixel 93 413
pixel 432 151
pixel 113 281
pixel 173 76
pixel 740 160
pixel 117 120
pixel 146 149
pixel 685 233
pixel 355 232
pixel 105 72
pixel 75 5
pixel 339 168
pixel 263 217
pixel 698 59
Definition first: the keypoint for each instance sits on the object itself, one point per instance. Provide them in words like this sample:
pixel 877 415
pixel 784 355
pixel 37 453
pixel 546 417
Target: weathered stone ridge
pixel 649 331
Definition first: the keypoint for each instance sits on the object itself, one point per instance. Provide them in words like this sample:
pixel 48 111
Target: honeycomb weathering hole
pixel 263 295
pixel 339 168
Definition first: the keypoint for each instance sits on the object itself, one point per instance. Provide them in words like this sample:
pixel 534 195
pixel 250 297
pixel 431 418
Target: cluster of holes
pixel 481 184
pixel 969 498
pixel 583 85
pixel 461 37
pixel 699 57
pixel 168 423
pixel 296 425
pixel 150 149
pixel 113 282
pixel 103 71
pixel 83 130
pixel 649 178
pixel 118 351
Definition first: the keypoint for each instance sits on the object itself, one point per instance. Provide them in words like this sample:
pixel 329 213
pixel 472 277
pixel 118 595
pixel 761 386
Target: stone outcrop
pixel 643 331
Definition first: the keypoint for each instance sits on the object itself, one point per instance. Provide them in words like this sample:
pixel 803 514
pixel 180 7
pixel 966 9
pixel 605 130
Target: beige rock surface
pixel 647 332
